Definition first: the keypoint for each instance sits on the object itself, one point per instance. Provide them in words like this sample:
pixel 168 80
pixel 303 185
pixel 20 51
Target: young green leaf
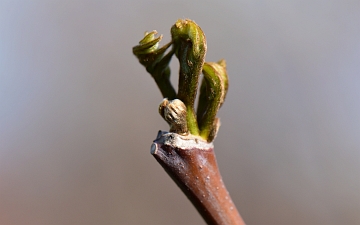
pixel 212 95
pixel 190 48
pixel 155 62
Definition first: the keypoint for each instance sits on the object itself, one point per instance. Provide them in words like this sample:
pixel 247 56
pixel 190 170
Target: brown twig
pixel 191 163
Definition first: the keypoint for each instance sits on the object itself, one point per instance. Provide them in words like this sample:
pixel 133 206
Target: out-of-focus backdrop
pixel 78 113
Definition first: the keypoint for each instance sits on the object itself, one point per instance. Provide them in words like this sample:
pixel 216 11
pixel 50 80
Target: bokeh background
pixel 78 113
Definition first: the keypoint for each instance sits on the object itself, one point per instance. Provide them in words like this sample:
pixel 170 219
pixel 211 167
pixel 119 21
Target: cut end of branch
pixel 186 142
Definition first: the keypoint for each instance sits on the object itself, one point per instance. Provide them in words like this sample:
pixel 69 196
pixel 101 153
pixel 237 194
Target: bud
pixel 152 57
pixel 190 48
pixel 174 112
pixel 212 95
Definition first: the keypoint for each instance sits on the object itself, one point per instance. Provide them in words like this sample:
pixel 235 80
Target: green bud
pixel 212 95
pixel 190 48
pixel 152 57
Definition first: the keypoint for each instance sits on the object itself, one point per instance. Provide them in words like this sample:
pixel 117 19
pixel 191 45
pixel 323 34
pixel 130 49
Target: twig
pixel 191 163
pixel 187 152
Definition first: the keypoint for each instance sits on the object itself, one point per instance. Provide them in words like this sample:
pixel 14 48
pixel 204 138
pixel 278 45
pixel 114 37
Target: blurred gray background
pixel 78 113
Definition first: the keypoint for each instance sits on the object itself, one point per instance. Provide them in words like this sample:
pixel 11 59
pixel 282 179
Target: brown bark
pixel 191 163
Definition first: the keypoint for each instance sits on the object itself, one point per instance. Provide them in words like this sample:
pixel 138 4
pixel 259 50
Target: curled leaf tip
pixel 147 51
pixel 188 31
